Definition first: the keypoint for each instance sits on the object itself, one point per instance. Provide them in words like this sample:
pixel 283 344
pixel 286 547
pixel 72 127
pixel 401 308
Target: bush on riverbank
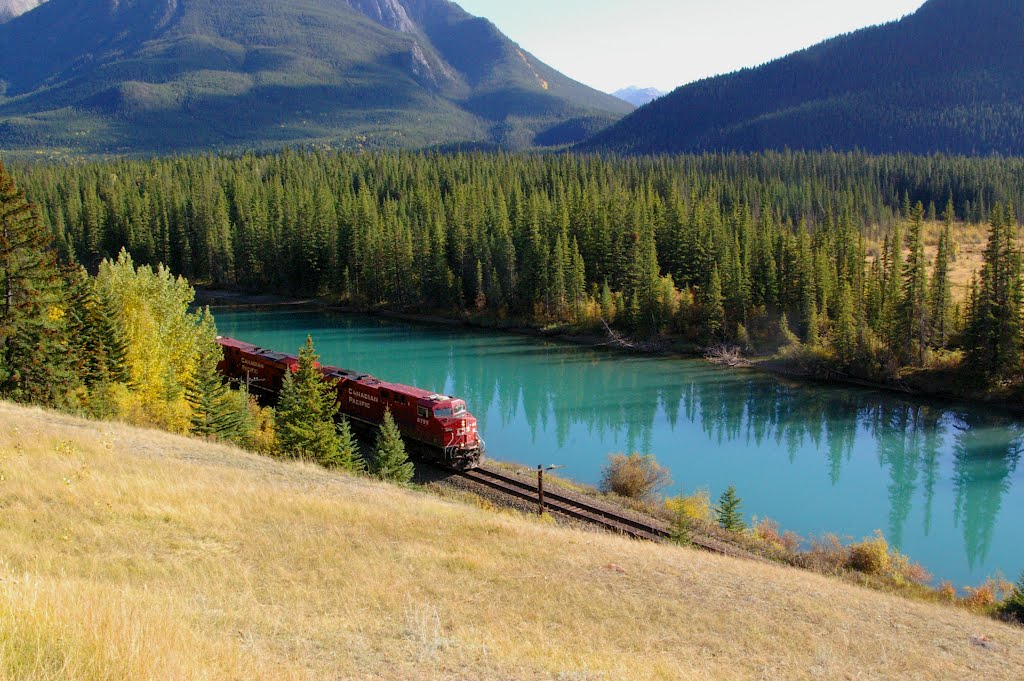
pixel 637 476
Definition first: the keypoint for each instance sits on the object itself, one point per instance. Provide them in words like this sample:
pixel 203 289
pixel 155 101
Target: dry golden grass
pixel 969 248
pixel 128 554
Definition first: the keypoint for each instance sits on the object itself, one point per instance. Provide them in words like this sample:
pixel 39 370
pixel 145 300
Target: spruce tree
pixel 215 411
pixel 911 338
pixel 728 512
pixel 305 412
pixel 35 365
pixel 97 342
pixel 1014 605
pixel 348 456
pixel 714 306
pixel 994 329
pixel 390 461
pixel 845 340
pixel 940 299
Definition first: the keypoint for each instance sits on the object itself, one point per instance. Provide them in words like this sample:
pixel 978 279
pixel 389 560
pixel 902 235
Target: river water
pixel 941 480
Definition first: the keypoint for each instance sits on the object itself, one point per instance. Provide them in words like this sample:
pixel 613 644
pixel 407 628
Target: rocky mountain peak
pixel 10 9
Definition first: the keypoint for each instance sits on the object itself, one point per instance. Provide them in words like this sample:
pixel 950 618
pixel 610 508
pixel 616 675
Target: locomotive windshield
pixel 456 410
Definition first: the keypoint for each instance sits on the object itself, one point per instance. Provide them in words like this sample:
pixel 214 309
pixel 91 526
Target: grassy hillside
pixel 135 554
pixel 945 79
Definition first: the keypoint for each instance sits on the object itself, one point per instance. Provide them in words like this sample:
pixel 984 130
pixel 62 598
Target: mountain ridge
pixel 943 79
pixel 106 76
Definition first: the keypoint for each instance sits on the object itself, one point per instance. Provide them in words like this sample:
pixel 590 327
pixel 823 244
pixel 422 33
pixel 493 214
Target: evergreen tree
pixel 97 341
pixel 714 306
pixel 728 512
pixel 994 329
pixel 846 327
pixel 913 324
pixel 390 461
pixel 215 411
pixel 940 299
pixel 305 412
pixel 35 365
pixel 1014 605
pixel 348 455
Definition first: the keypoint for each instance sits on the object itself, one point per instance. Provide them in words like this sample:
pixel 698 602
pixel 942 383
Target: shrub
pixel 947 592
pixel 696 506
pixel 827 555
pixel 767 530
pixel 983 596
pixel 637 476
pixel 1014 605
pixel 905 570
pixel 870 556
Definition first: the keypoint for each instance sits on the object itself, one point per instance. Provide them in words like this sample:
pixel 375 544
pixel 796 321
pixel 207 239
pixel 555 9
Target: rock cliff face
pixel 13 8
pixel 428 67
pixel 388 13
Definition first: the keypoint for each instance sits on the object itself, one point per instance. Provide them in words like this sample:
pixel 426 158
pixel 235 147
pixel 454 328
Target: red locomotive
pixel 435 426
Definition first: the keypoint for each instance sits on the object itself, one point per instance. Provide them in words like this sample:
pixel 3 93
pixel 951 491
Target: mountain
pixel 944 79
pixel 638 96
pixel 13 8
pixel 144 76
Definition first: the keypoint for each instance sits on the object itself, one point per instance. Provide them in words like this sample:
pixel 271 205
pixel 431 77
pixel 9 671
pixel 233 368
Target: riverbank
pixel 138 554
pixel 942 384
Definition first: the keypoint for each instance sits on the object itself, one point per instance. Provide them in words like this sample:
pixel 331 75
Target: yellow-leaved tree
pixel 165 340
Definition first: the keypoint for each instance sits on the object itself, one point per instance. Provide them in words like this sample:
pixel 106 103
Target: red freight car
pixel 435 426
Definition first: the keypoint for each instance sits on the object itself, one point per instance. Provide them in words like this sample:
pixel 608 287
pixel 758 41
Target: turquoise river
pixel 941 480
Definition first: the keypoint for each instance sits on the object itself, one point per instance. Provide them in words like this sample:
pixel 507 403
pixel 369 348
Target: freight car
pixel 436 427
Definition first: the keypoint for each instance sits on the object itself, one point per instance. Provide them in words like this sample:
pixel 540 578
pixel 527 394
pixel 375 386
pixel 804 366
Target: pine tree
pixel 845 341
pixel 215 411
pixel 97 341
pixel 994 329
pixel 305 412
pixel 940 299
pixel 35 365
pixel 888 324
pixel 348 456
pixel 390 461
pixel 714 306
pixel 728 512
pixel 1014 605
pixel 912 322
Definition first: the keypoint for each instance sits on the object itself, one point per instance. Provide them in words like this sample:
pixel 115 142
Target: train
pixel 434 426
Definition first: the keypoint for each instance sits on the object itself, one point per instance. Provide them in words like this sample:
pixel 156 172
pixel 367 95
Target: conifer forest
pixel 817 256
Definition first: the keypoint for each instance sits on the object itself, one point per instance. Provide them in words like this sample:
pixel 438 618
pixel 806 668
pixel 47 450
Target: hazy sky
pixel 609 44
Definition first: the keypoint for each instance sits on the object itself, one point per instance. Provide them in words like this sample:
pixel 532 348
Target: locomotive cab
pixel 460 429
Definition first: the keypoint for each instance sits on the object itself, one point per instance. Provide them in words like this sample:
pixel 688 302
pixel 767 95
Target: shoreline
pixel 774 366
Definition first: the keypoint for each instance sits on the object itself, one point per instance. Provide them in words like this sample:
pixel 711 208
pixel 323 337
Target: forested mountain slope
pixel 945 79
pixel 124 76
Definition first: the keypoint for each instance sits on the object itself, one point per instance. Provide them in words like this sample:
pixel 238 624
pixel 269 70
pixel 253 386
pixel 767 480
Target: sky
pixel 609 44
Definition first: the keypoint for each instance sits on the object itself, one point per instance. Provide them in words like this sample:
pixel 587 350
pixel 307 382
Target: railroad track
pixel 566 506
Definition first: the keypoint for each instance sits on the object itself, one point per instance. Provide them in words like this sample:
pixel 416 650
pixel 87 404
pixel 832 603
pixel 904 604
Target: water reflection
pixel 817 458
